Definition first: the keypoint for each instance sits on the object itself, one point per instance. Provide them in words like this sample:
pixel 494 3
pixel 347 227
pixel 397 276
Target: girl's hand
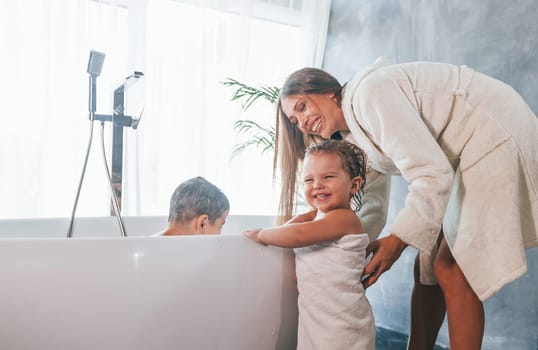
pixel 254 234
pixel 386 251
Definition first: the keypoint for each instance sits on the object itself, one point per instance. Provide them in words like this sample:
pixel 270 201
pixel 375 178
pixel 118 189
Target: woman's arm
pixel 390 116
pixel 333 225
pixel 388 112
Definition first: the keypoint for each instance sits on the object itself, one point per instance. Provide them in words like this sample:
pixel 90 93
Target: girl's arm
pixel 333 225
pixel 311 215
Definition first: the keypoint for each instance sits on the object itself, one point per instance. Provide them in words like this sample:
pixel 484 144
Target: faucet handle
pixel 136 121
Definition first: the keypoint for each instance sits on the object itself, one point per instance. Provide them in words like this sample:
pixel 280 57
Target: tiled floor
pixel 387 339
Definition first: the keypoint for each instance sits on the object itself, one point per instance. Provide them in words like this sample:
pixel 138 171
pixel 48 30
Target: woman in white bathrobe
pixel 466 143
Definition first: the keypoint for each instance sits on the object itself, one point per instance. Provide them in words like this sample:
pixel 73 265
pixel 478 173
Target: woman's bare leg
pixel 465 311
pixel 427 313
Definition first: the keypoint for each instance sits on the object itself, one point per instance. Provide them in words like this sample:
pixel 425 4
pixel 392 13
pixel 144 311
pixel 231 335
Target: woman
pixel 466 144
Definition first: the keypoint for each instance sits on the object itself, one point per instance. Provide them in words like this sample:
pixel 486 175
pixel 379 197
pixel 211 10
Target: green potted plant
pixel 257 135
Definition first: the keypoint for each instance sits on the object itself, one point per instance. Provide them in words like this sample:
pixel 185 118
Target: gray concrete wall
pixel 499 38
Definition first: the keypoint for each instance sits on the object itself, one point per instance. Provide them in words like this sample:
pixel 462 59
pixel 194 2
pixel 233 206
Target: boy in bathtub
pixel 330 250
pixel 197 207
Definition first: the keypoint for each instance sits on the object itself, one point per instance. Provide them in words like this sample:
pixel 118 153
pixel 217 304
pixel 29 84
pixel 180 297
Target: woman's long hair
pixel 290 142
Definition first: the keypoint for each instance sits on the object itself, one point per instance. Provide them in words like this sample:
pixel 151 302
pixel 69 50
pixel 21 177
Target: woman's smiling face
pixel 314 114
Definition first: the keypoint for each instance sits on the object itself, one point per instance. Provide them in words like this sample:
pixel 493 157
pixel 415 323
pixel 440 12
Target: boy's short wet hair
pixel 195 197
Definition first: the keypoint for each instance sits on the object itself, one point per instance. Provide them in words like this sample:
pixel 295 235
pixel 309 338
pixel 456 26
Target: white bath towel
pixel 333 310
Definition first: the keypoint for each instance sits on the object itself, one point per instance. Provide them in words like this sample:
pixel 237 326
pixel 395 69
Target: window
pixel 185 49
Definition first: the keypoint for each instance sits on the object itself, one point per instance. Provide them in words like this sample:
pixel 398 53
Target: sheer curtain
pixel 185 49
pixel 44 102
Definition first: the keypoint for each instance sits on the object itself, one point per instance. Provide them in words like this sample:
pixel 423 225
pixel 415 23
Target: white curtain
pixel 44 124
pixel 185 49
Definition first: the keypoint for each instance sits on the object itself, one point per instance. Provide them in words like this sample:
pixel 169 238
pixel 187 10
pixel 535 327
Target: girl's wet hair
pixel 353 159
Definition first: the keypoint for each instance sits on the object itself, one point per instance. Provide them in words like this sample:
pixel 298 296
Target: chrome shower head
pixel 95 63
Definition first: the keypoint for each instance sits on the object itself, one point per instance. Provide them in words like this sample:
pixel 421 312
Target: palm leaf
pixel 247 95
pixel 258 137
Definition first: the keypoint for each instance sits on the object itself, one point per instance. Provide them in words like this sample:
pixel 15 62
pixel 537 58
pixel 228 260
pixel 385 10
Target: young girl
pixel 330 248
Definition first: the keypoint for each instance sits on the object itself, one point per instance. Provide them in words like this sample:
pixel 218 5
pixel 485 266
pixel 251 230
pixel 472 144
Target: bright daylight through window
pixel 186 50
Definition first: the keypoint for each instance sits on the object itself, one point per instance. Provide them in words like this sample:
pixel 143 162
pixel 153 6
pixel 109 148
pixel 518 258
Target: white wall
pixel 495 37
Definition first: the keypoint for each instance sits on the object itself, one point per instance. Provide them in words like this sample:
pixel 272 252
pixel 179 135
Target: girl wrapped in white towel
pixel 330 248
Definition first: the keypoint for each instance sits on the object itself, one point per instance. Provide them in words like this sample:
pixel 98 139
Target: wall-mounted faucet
pixel 119 121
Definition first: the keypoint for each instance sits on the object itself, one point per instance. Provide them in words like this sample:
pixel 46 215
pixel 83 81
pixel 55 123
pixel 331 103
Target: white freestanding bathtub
pixel 101 291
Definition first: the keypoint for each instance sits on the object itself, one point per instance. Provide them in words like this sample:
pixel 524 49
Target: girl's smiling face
pixel 327 185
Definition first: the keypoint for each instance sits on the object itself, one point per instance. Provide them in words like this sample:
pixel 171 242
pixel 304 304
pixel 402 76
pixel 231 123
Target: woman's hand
pixel 386 251
pixel 254 234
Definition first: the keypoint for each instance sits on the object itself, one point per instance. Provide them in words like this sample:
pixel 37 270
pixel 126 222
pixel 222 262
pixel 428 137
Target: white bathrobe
pixel 467 144
pixel 333 310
